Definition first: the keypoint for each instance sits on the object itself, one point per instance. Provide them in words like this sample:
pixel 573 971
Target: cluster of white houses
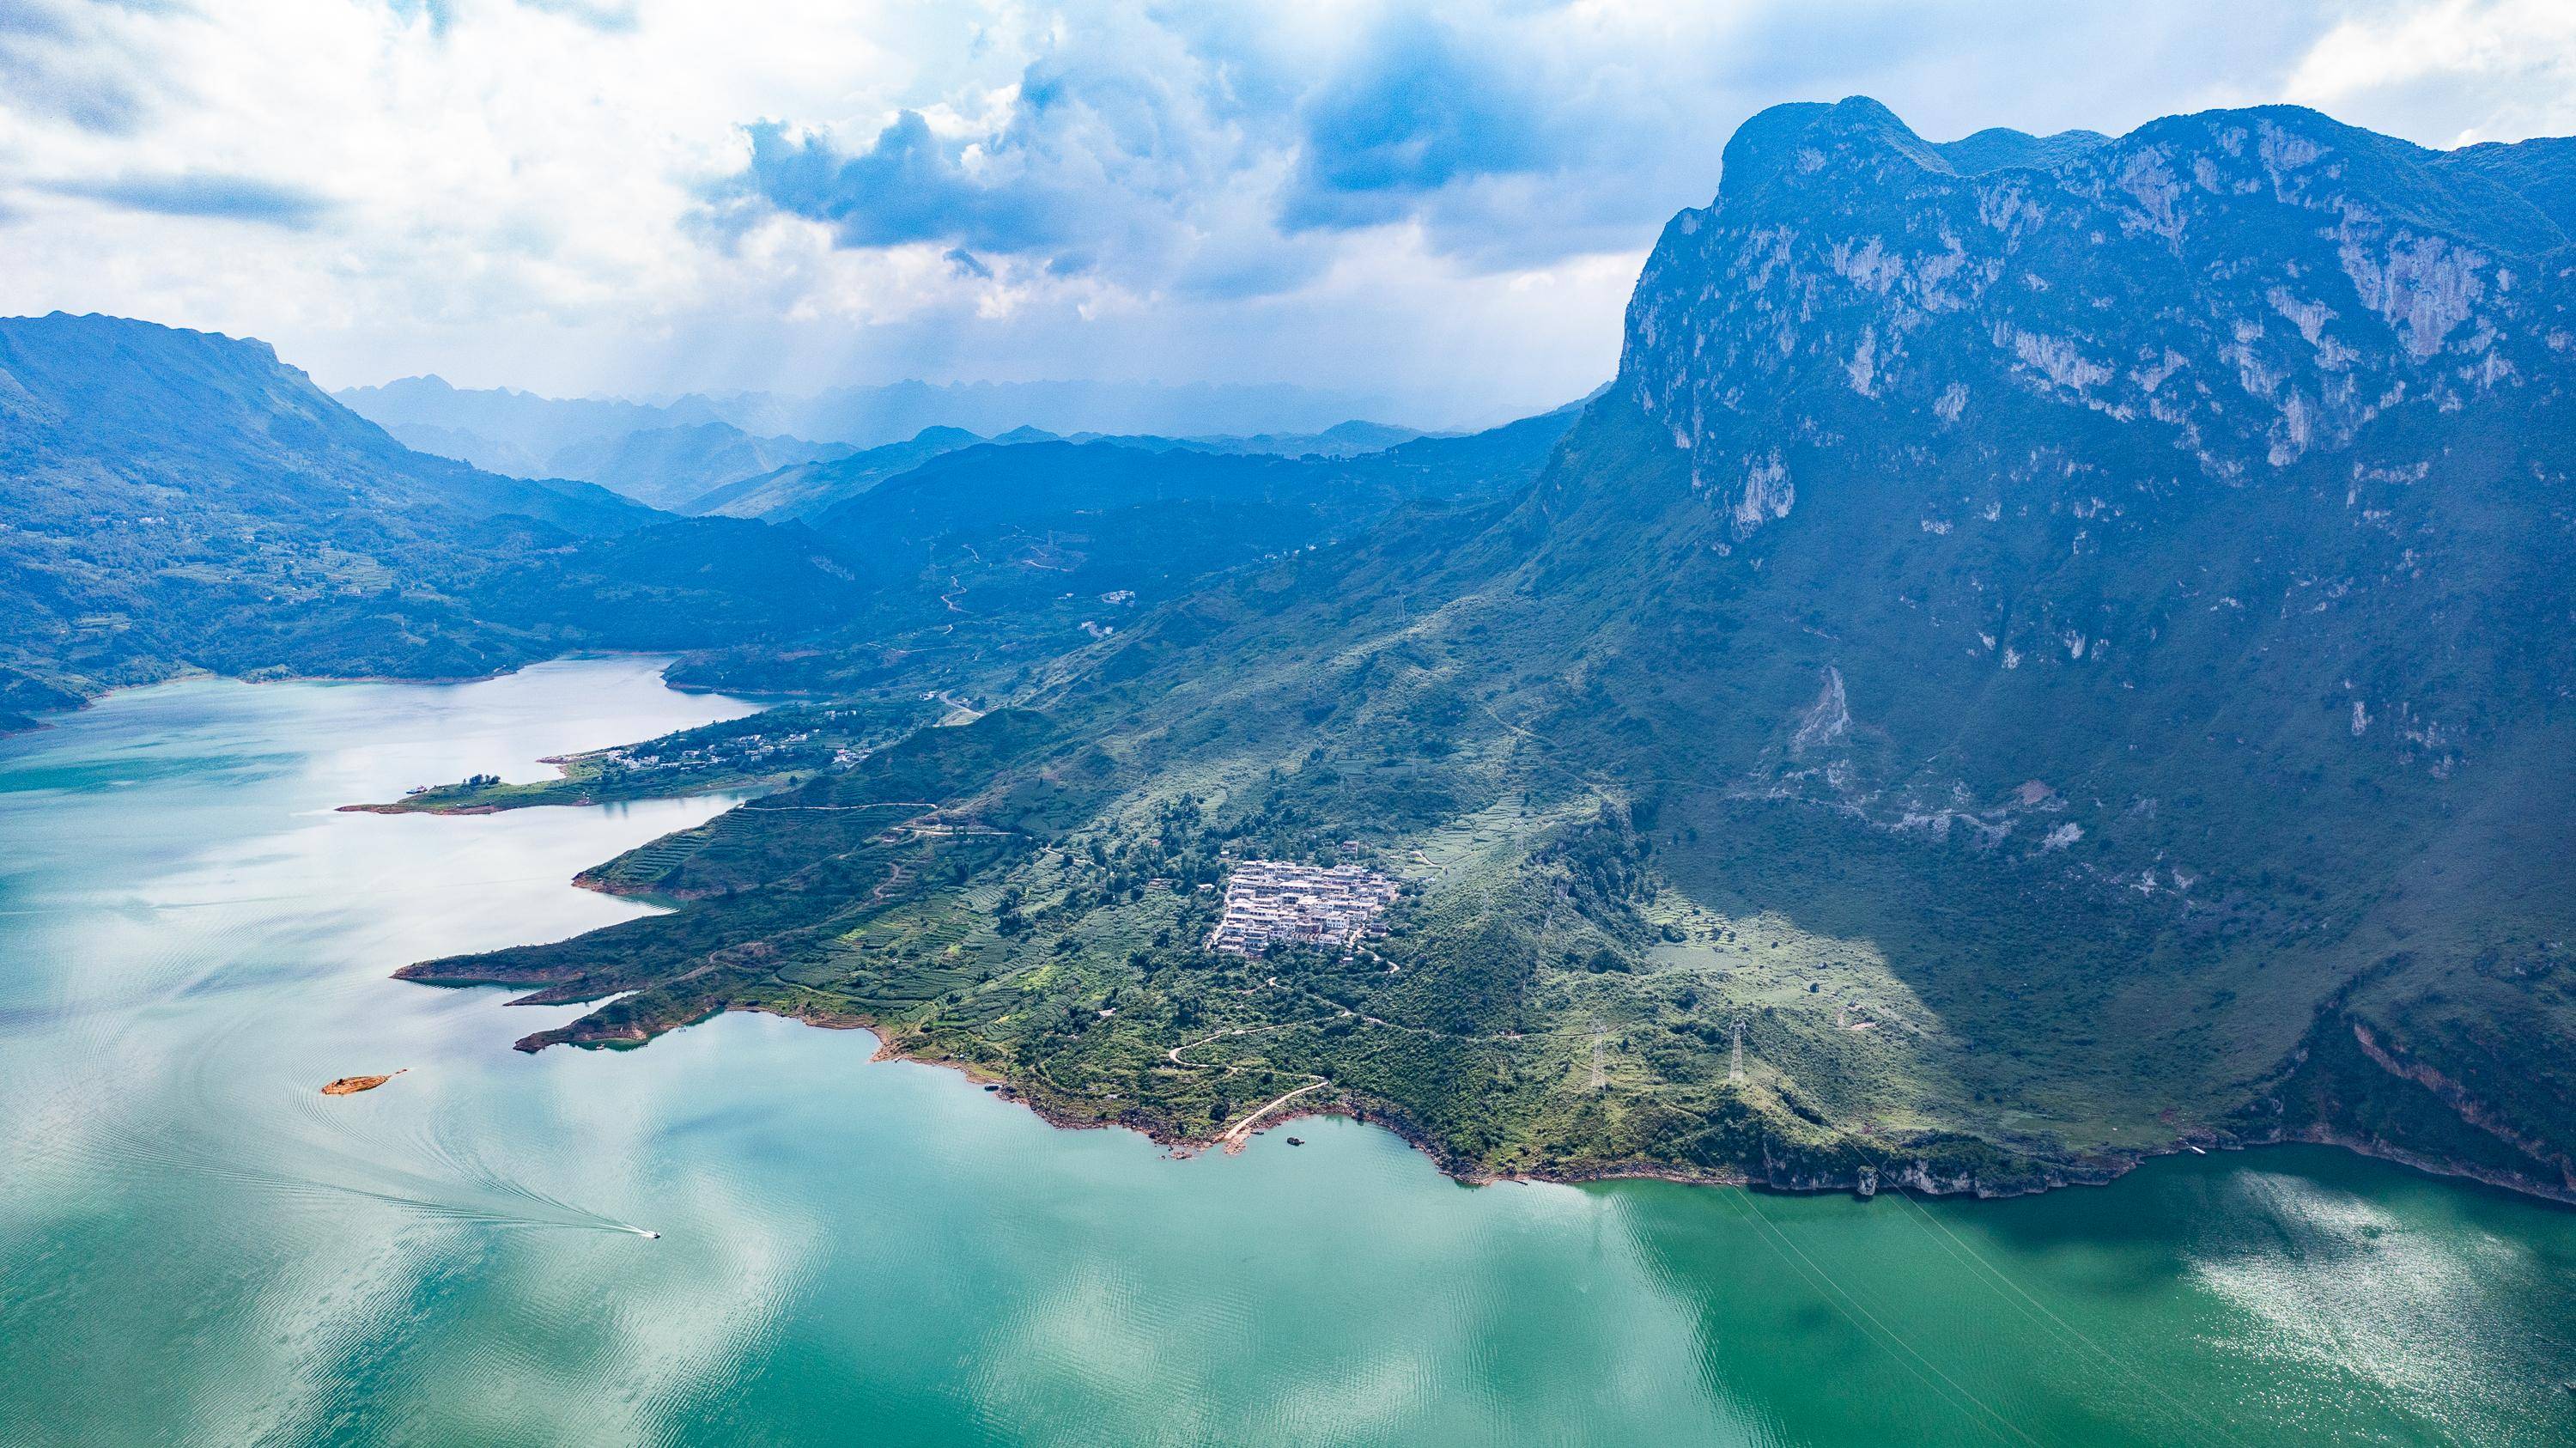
pixel 1273 901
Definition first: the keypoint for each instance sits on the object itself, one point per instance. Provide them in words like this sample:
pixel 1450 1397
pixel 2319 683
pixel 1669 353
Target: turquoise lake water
pixel 196 1247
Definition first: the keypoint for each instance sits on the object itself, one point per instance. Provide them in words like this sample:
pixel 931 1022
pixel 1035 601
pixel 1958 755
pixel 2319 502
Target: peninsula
pixel 1932 719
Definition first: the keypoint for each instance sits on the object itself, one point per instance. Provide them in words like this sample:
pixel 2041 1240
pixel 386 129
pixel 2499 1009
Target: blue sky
pixel 1440 205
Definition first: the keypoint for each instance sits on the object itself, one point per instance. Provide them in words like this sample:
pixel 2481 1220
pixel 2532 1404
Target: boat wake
pixel 466 1191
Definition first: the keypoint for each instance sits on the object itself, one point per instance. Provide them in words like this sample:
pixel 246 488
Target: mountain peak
pixel 1798 138
pixel 2000 148
pixel 1805 138
pixel 2256 288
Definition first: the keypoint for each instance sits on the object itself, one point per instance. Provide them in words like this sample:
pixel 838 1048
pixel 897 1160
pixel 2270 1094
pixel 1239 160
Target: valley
pixel 1485 725
pixel 1870 742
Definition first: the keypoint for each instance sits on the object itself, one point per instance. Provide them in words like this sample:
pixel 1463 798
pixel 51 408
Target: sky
pixel 1439 206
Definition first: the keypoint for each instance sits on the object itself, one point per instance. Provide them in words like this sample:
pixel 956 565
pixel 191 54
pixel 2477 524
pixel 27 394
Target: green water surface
pixel 197 1247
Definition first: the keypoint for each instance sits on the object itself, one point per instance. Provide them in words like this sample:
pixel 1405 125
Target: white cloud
pixel 2462 70
pixel 1443 206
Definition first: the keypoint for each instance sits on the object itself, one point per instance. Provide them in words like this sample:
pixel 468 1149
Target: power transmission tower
pixel 1735 1069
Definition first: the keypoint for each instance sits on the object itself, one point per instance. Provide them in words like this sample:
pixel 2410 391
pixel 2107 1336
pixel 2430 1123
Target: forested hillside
pixel 2059 646
pixel 174 500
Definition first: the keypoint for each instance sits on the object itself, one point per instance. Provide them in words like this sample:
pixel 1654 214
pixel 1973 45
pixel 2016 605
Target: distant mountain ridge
pixel 863 417
pixel 670 467
pixel 808 490
pixel 672 454
pixel 175 500
pixel 521 424
pixel 1002 549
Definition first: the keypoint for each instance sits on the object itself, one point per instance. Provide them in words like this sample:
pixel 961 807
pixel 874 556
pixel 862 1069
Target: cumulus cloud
pixel 1420 109
pixel 1446 202
pixel 1119 150
pixel 906 186
pixel 2457 70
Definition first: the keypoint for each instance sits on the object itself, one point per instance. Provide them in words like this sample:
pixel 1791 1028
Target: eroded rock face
pixel 2079 343
pixel 2249 287
pixel 2223 474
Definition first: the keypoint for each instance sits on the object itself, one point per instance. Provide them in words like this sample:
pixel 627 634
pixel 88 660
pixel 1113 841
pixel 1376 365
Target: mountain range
pixel 672 467
pixel 2053 649
pixel 178 500
pixel 808 489
pixel 517 432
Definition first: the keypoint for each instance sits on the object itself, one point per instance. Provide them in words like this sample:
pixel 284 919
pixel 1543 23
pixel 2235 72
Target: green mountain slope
pixel 984 560
pixel 174 500
pixel 2059 647
pixel 104 399
pixel 809 489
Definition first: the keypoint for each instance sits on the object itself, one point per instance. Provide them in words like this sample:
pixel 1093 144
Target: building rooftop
pixel 1273 901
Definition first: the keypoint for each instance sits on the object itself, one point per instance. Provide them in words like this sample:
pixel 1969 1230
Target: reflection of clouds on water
pixel 421 1217
pixel 2348 1287
pixel 697 1309
pixel 180 971
pixel 259 963
pixel 211 1251
pixel 1263 1310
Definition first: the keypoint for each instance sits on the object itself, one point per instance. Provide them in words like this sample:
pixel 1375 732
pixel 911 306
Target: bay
pixel 196 1246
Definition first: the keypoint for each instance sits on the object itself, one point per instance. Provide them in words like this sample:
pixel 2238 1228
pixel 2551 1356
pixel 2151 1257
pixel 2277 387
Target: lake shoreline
pixel 1922 1173
pixel 209 1243
pixel 2102 1171
pixel 44 719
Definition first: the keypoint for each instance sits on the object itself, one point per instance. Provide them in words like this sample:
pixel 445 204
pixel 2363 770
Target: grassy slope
pixel 1610 860
pixel 174 500
pixel 2070 769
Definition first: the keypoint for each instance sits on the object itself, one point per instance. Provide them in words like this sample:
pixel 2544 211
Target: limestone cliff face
pixel 2239 383
pixel 2247 289
pixel 2188 518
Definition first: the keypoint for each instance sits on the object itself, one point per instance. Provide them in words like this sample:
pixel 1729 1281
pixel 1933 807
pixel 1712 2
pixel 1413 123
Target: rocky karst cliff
pixel 2215 479
pixel 2246 288
pixel 2057 648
